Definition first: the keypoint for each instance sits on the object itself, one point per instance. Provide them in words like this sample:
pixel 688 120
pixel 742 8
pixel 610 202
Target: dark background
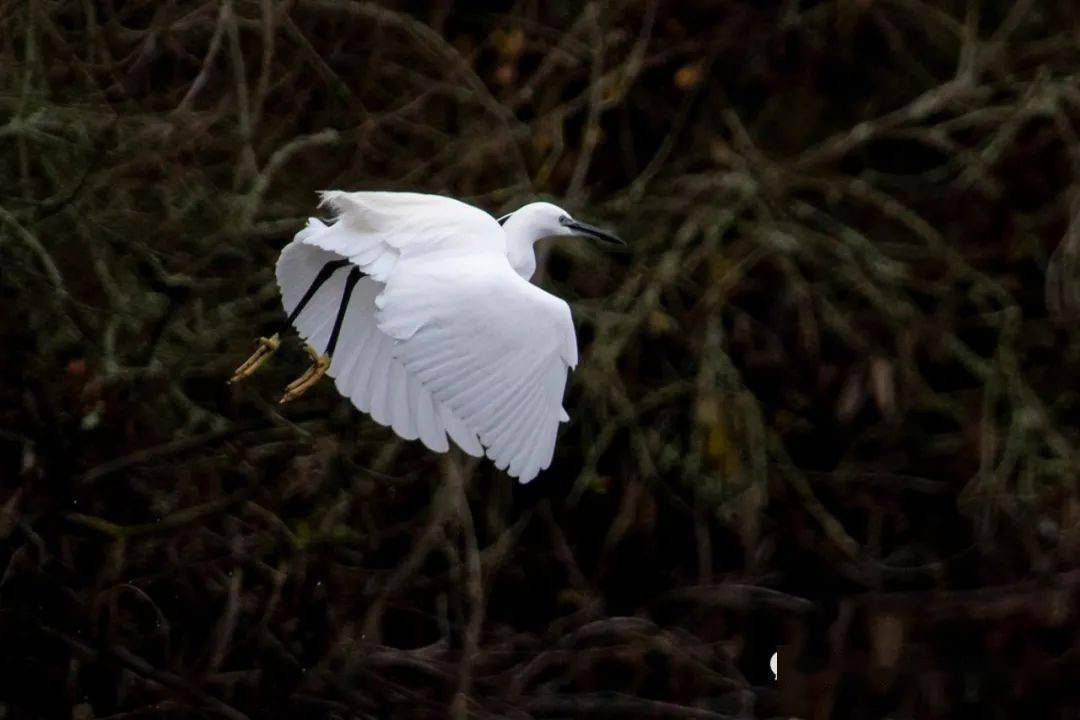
pixel 827 400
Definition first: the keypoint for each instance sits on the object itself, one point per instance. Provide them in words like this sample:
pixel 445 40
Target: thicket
pixel 827 401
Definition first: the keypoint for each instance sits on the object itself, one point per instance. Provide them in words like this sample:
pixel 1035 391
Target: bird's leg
pixel 320 363
pixel 299 386
pixel 324 275
pixel 267 346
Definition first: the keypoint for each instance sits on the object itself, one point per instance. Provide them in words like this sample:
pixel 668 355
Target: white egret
pixel 435 329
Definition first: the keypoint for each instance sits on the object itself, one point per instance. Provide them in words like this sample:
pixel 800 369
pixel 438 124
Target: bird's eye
pixel 565 220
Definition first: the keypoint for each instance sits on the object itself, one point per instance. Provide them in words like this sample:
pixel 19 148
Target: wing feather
pixel 464 437
pixel 364 367
pixel 374 230
pixel 524 427
pixel 506 417
pixel 377 384
pixel 404 411
pixel 428 424
pixel 490 347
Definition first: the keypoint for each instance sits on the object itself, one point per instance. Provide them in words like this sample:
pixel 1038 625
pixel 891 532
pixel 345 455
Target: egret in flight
pixel 421 310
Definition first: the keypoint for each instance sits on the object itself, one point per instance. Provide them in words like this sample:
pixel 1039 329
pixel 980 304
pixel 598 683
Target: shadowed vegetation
pixel 827 401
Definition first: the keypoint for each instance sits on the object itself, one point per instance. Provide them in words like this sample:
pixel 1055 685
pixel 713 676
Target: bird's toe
pixel 265 348
pixel 299 386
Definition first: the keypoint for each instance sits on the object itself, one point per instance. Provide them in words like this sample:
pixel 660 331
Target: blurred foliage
pixel 827 401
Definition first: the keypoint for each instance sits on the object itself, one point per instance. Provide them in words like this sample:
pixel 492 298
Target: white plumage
pixel 444 335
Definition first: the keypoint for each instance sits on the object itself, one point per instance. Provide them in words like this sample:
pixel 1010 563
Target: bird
pixel 421 309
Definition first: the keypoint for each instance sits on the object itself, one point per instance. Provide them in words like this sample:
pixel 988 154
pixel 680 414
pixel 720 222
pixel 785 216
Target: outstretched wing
pixel 374 230
pixel 364 367
pixel 490 346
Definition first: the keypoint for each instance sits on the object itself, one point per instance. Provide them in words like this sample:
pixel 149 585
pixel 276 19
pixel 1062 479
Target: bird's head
pixel 542 219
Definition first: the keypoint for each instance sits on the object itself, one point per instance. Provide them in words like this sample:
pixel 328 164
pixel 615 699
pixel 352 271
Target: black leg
pixel 350 283
pixel 324 275
pixel 268 345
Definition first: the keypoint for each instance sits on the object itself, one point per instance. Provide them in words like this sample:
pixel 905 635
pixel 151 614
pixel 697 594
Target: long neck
pixel 519 246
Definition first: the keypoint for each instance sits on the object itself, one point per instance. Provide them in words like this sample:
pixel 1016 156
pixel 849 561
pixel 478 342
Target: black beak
pixel 590 231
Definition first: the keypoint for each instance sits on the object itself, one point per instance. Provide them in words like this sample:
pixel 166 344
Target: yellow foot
pixel 266 348
pixel 299 386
